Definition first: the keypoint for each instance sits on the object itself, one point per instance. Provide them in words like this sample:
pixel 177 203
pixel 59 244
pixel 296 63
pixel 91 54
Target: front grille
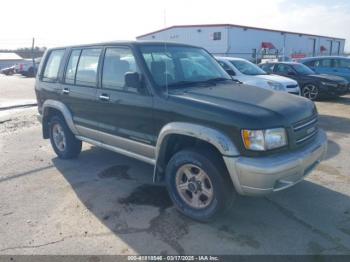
pixel 292 86
pixel 305 130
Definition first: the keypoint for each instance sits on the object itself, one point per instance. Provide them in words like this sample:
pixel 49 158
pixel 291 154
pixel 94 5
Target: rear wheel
pixel 199 185
pixel 63 140
pixel 310 91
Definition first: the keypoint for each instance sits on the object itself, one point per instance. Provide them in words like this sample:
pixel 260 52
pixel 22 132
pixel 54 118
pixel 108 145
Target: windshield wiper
pixel 182 83
pixel 216 79
pixel 189 83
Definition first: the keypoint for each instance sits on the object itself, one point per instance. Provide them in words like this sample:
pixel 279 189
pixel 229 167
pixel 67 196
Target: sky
pixel 64 22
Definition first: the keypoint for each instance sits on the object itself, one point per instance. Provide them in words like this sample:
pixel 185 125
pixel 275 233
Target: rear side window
pixel 323 63
pixel 72 67
pixel 86 74
pixel 53 65
pixel 342 63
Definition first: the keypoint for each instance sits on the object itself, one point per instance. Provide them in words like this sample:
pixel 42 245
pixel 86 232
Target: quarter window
pixel 53 65
pixel 117 62
pixel 72 67
pixel 87 68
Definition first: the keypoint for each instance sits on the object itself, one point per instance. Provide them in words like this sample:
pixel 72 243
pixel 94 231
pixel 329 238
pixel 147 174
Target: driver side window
pixel 283 69
pixel 117 62
pixel 162 67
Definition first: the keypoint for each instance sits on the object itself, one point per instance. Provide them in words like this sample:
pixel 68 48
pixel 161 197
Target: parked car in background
pixel 332 65
pixel 27 68
pixel 312 85
pixel 250 74
pixel 8 70
pixel 173 106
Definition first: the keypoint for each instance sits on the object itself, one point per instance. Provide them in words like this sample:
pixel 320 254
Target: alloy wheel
pixel 194 186
pixel 59 137
pixel 310 92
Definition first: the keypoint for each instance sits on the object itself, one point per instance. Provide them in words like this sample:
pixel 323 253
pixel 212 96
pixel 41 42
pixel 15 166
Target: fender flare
pixel 212 136
pixel 63 109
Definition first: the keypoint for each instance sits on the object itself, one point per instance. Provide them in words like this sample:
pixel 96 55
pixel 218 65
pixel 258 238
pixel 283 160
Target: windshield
pixel 303 69
pixel 247 68
pixel 177 66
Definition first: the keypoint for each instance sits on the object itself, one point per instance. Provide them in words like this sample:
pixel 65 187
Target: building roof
pixel 9 56
pixel 239 26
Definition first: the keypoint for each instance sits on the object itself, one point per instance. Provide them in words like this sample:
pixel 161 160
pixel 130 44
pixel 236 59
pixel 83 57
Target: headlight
pixel 262 140
pixel 276 86
pixel 329 84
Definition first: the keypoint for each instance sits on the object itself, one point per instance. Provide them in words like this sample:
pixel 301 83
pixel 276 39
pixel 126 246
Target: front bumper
pixel 294 90
pixel 260 176
pixel 334 91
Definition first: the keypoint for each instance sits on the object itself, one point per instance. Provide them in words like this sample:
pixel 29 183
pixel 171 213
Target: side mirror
pixel 133 79
pixel 230 72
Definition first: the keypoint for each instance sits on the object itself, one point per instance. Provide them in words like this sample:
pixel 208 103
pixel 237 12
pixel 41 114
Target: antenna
pixel 166 69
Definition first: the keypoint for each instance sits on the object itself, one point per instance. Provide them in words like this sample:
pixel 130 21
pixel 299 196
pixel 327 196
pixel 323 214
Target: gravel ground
pixel 105 203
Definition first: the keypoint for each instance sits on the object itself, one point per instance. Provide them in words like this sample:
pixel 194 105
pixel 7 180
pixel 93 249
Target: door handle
pixel 104 97
pixel 65 91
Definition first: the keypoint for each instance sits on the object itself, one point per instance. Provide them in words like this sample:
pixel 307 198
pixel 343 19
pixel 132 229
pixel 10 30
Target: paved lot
pixel 16 90
pixel 105 203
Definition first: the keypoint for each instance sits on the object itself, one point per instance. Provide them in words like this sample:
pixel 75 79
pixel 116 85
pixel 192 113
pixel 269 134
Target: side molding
pixel 219 140
pixel 63 109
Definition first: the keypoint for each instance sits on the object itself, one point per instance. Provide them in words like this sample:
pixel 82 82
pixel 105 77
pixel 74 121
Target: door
pixel 79 88
pixel 49 85
pixel 285 70
pixel 124 112
pixel 323 66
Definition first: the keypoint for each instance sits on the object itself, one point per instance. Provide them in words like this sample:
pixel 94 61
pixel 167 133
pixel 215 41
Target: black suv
pixel 174 107
pixel 312 85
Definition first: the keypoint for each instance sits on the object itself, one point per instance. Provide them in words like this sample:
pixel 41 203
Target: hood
pixel 277 78
pixel 334 78
pixel 254 107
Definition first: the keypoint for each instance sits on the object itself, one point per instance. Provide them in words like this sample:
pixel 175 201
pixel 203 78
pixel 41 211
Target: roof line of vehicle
pixel 324 57
pixel 239 26
pixel 133 42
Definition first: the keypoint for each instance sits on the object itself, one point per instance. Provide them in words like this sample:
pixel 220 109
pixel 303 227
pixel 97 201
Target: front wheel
pixel 199 185
pixel 310 91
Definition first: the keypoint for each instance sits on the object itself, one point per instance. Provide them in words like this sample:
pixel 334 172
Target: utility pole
pixel 33 58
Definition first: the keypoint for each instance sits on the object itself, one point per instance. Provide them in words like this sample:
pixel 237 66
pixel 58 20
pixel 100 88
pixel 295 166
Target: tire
pixel 63 141
pixel 310 91
pixel 191 199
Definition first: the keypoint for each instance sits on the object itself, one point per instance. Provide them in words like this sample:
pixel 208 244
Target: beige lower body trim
pixel 117 144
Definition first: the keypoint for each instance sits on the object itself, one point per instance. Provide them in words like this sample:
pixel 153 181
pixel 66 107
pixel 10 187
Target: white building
pixel 9 59
pixel 249 42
